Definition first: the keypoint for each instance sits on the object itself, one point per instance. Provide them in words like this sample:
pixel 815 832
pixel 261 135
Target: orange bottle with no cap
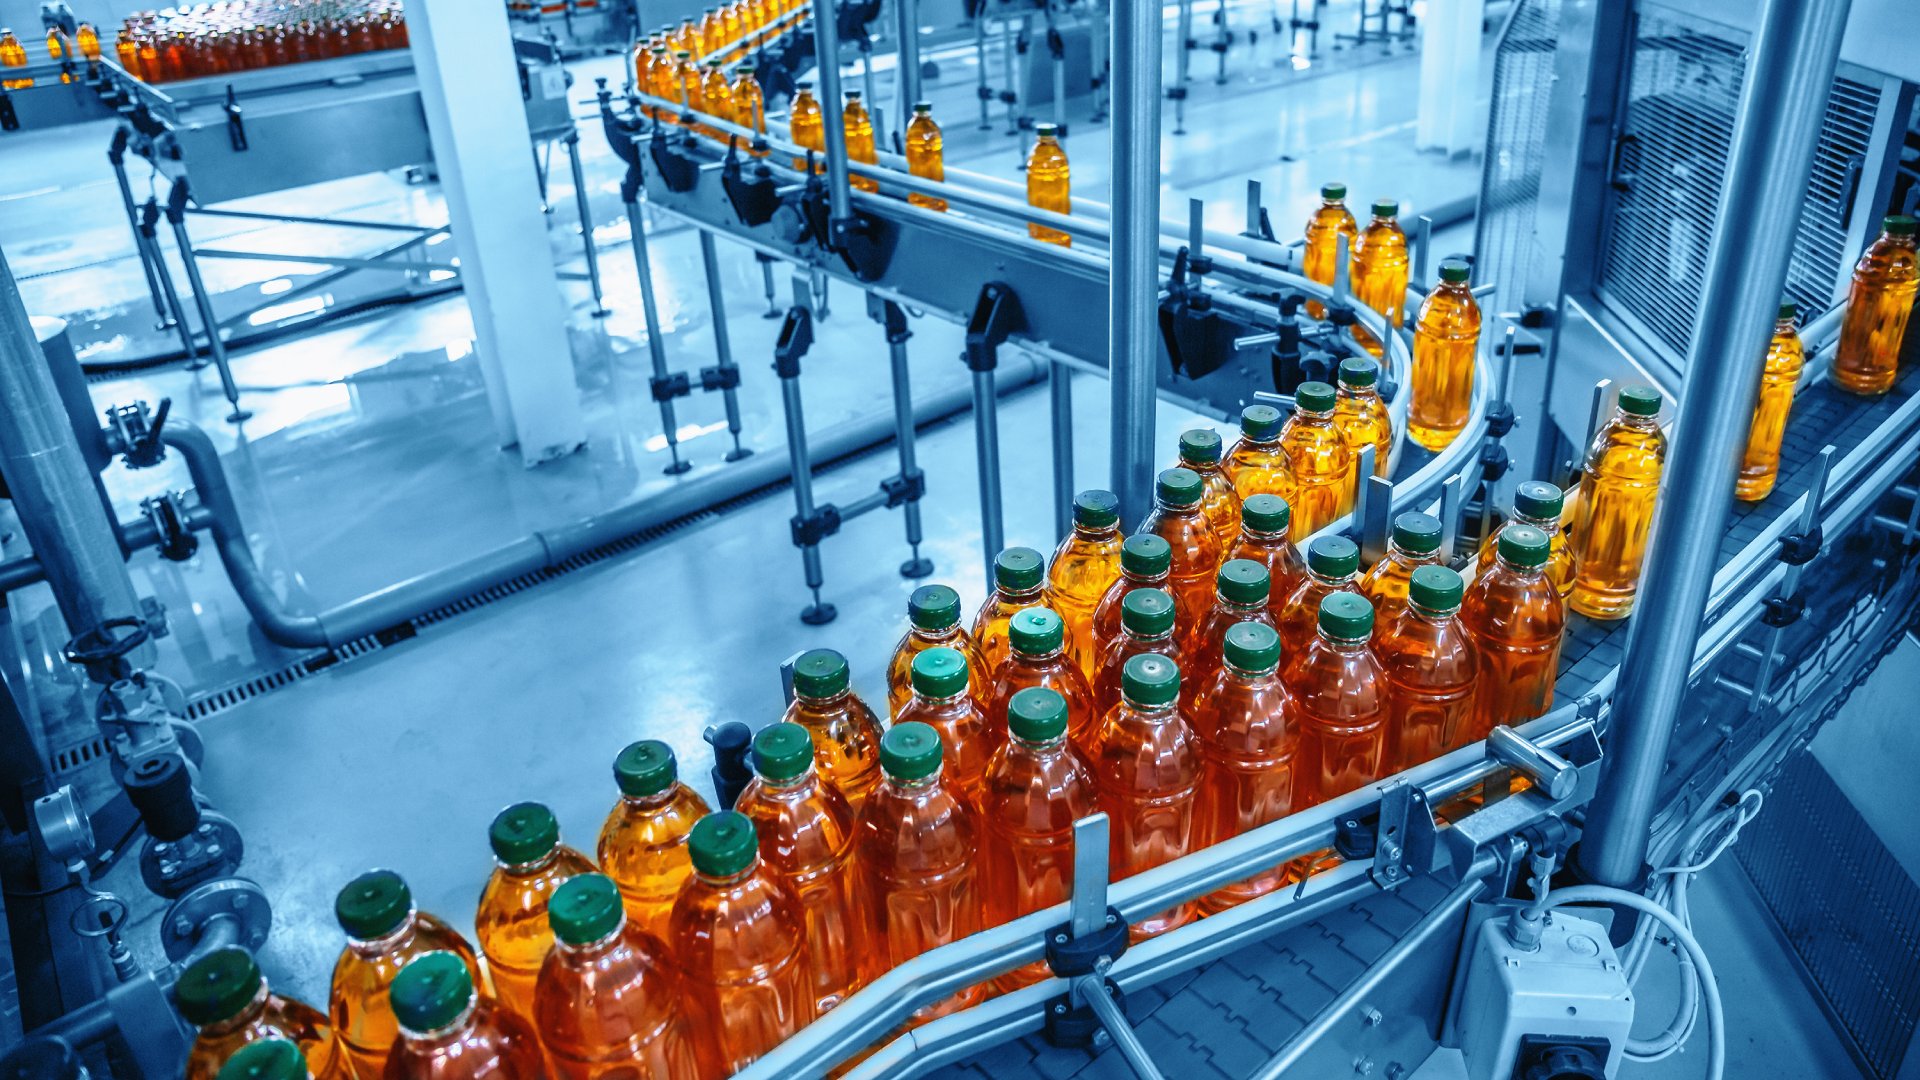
pixel 1517 622
pixel 1319 460
pixel 1195 548
pixel 223 994
pixel 943 700
pixel 1147 771
pixel 384 934
pixel 846 733
pixel 1257 464
pixel 1246 752
pixel 1019 582
pixel 643 842
pixel 511 925
pixel 933 622
pixel 1431 665
pixel 1617 497
pixel 1083 568
pixel 1415 543
pixel 1333 565
pixel 450 1031
pixel 1264 521
pixel 1337 704
pixel 1200 453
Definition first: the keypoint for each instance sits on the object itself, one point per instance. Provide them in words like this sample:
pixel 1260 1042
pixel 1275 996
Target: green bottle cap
pixel 782 751
pixel 431 992
pixel 1436 588
pixel 1898 225
pixel 923 108
pixel 1018 569
pixel 1150 679
pixel 1046 131
pixel 934 607
pixel 373 905
pixel 1333 557
pixel 1265 514
pixel 941 673
pixel 1788 311
pixel 910 751
pixel 217 986
pixel 1147 612
pixel 1386 208
pixel 1252 646
pixel 1200 446
pixel 1313 397
pixel 523 833
pixel 1538 499
pixel 1640 401
pixel 1523 545
pixel 1260 422
pixel 1243 581
pixel 1035 631
pixel 1359 371
pixel 266 1059
pixel 1037 714
pixel 1096 509
pixel 645 768
pixel 723 844
pixel 1146 555
pixel 1333 192
pixel 584 909
pixel 1346 616
pixel 745 69
pixel 1416 533
pixel 1179 488
pixel 820 673
pixel 1455 271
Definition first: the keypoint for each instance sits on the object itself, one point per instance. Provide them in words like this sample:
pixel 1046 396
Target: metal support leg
pixel 1183 36
pixel 1132 298
pixel 586 225
pixel 147 235
pixel 986 444
pixel 796 337
pixel 656 347
pixel 985 92
pixel 907 27
pixel 117 155
pixel 1060 394
pixel 202 302
pixel 894 319
pixel 726 373
pixel 1009 54
pixel 766 278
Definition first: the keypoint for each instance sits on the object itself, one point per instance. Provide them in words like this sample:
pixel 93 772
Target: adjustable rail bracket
pixel 751 189
pixel 997 314
pixel 1199 339
pixel 679 170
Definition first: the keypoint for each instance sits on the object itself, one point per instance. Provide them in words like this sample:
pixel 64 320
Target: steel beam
pixel 1133 292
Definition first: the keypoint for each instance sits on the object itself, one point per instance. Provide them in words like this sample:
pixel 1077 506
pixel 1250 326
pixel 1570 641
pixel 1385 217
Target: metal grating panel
pixel 1516 138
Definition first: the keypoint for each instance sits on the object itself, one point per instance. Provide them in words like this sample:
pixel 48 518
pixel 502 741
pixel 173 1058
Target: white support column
pixel 470 88
pixel 1450 119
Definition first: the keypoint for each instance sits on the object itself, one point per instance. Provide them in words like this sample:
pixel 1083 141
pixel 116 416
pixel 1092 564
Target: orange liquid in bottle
pixel 1246 752
pixel 1517 622
pixel 1879 303
pixel 1616 506
pixel 933 622
pixel 1196 549
pixel 1333 565
pixel 1337 704
pixel 1242 597
pixel 1146 626
pixel 1147 771
pixel 511 925
pixel 88 39
pixel 806 839
pixel 1264 521
pixel 805 126
pixel 942 701
pixel 1258 465
pixel 846 734
pixel 1019 577
pixel 1048 183
pixel 224 994
pixel 1380 267
pixel 1200 453
pixel 1144 561
pixel 643 842
pixel 1445 338
pixel 717 92
pixel 1319 460
pixel 750 105
pixel 1320 259
pixel 1430 663
pixel 12 55
pixel 924 155
pixel 1359 414
pixel 686 71
pixel 857 127
pixel 384 935
pixel 449 1031
pixel 1415 543
pixel 663 81
pixel 1760 465
pixel 1538 503
pixel 1084 568
pixel 1037 658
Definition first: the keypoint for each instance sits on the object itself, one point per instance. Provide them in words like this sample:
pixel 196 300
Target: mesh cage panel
pixel 1516 137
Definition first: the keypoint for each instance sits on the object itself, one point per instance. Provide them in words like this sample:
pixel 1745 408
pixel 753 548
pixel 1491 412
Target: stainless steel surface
pixel 986 448
pixel 826 53
pixel 1087 906
pixel 1134 280
pixel 1092 989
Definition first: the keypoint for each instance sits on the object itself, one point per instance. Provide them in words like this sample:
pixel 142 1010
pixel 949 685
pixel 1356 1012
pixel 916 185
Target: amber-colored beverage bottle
pixel 1246 752
pixel 1415 543
pixel 933 622
pixel 643 842
pixel 1196 549
pixel 1318 459
pixel 127 50
pixel 857 128
pixel 846 733
pixel 530 863
pixel 608 1001
pixel 225 996
pixel 1538 503
pixel 1517 622
pixel 88 41
pixel 915 849
pixel 1360 415
pixel 1760 465
pixel 710 34
pixel 663 81
pixel 717 92
pixel 806 127
pixel 1146 626
pixel 266 1059
pixel 1048 183
pixel 450 1031
pixel 1257 464
pixel 1879 303
pixel 1381 264
pixel 1144 563
pixel 1037 787
pixel 384 934
pixel 12 55
pixel 1241 596
pixel 1333 565
pixel 925 148
pixel 1147 772
pixel 1037 658
pixel 1264 521
pixel 806 839
pixel 1019 580
pixel 686 72
pixel 1200 452
pixel 643 69
pixel 1320 259
pixel 750 104
pixel 1616 506
pixel 1337 704
pixel 1431 663
pixel 1084 568
pixel 736 933
pixel 1446 336
pixel 943 701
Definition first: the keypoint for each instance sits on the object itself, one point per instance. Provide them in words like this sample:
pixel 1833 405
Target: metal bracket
pixel 1551 773
pixel 680 171
pixel 904 488
pixel 812 528
pixel 1403 834
pixel 997 314
pixel 236 127
pixel 752 190
pixel 719 378
pixel 1199 340
pixel 796 337
pixel 668 387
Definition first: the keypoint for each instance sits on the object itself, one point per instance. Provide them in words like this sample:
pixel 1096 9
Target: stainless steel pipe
pixel 1133 292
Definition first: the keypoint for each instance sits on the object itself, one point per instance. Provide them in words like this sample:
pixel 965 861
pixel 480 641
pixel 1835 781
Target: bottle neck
pixel 1042 748
pixel 1329 582
pixel 1259 537
pixel 917 787
pixel 1145 639
pixel 1433 615
pixel 593 950
pixel 1247 676
pixel 1638 422
pixel 1170 510
pixel 1148 581
pixel 454 1031
pixel 1308 416
pixel 937 634
pixel 650 802
pixel 1096 534
pixel 730 880
pixel 1054 653
pixel 247 1015
pixel 1271 442
pixel 796 785
pixel 387 942
pixel 1368 391
pixel 530 867
pixel 948 701
pixel 825 704
pixel 1152 714
pixel 1528 572
pixel 1201 467
pixel 1548 525
pixel 1342 644
pixel 1024 596
pixel 1237 607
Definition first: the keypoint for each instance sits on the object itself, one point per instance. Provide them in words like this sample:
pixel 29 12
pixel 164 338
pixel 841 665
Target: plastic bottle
pixel 1538 503
pixel 933 622
pixel 1146 626
pixel 1084 567
pixel 1241 597
pixel 1200 452
pixel 663 81
pixel 857 128
pixel 1196 549
pixel 1360 415
pixel 643 842
pixel 530 863
pixel 1263 539
pixel 88 40
pixel 223 994
pixel 717 92
pixel 1337 704
pixel 1415 543
pixel 608 1002
pixel 1430 662
pixel 686 72
pixel 806 828
pixel 1760 465
pixel 1246 752
pixel 1037 787
pixel 12 55
pixel 915 852
pixel 1147 772
pixel 925 159
pixel 1048 186
pixel 1319 461
pixel 450 1031
pixel 943 702
pixel 750 105
pixel 1257 465
pixel 1879 302
pixel 266 1059
pixel 127 51
pixel 846 734
pixel 712 33
pixel 1380 263
pixel 1617 496
pixel 1144 563
pixel 736 933
pixel 1321 257
pixel 1019 575
pixel 806 128
pixel 1446 336
pixel 1037 657
pixel 1517 622
pixel 384 934
pixel 1333 565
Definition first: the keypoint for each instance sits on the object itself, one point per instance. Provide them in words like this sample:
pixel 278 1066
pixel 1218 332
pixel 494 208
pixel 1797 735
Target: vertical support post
pixel 1422 247
pixel 984 91
pixel 1790 582
pixel 826 52
pixel 1012 93
pixel 1133 292
pixel 1782 103
pixel 894 319
pixel 202 300
pixel 986 445
pixel 117 155
pixel 796 337
pixel 1087 906
pixel 1060 397
pixel 906 23
pixel 586 224
pixel 656 345
pixel 766 281
pixel 725 373
pixel 147 234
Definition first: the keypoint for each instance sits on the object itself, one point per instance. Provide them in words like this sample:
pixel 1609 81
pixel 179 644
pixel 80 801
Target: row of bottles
pixel 242 35
pixel 83 46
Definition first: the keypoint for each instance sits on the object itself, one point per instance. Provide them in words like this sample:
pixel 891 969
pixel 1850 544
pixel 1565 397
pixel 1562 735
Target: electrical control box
pixel 1563 1008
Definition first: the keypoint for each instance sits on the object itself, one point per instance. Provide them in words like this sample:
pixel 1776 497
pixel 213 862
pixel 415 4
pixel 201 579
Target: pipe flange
pixel 235 900
pixel 211 852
